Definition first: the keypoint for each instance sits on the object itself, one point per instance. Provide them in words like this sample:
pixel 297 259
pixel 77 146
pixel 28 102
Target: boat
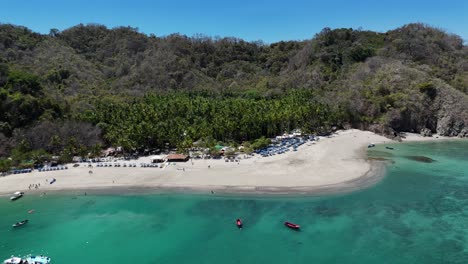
pixel 16 196
pixel 21 223
pixel 239 223
pixel 371 145
pixel 38 260
pixel 13 260
pixel 292 226
pixel 388 147
pixel 28 260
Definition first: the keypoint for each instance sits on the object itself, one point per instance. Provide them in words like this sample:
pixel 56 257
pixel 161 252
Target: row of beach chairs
pixel 116 165
pixel 21 171
pixel 53 168
pixel 149 165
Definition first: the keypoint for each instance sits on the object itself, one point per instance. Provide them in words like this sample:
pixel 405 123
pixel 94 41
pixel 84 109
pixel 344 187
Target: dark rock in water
pixel 378 158
pixel 420 159
pixel 325 210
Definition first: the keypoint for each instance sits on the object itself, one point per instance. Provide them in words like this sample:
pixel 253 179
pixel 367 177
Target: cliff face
pixel 452 114
pixel 401 98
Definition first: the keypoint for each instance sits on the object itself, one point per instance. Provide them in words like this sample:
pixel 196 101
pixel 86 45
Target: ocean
pixel 417 214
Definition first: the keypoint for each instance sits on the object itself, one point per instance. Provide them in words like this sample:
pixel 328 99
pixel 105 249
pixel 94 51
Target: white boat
pixel 38 260
pixel 13 260
pixel 16 196
pixel 28 260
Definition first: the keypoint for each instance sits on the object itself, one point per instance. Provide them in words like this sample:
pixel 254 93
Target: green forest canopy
pixel 75 91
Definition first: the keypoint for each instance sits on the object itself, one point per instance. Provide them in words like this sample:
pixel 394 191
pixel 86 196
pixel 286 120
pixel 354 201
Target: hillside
pixel 75 91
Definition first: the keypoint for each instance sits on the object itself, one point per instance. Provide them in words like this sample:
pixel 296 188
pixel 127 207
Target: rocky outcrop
pixel 450 126
pixel 426 132
pixel 452 114
pixel 463 132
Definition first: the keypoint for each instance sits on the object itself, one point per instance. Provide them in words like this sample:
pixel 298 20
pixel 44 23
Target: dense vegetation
pixel 72 92
pixel 181 118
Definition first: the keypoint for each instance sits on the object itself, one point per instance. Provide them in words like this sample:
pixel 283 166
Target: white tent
pixel 157 159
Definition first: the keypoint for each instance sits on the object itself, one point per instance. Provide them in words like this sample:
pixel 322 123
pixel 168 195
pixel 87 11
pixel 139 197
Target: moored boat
pixel 16 196
pixel 21 223
pixel 13 260
pixel 38 260
pixel 28 260
pixel 292 226
pixel 239 223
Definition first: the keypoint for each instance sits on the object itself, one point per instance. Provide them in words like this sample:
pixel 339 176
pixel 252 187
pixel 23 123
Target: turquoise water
pixel 417 214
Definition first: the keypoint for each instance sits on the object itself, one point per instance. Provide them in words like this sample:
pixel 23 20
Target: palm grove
pixel 76 91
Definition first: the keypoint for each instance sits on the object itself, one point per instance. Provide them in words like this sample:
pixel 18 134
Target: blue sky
pixel 252 20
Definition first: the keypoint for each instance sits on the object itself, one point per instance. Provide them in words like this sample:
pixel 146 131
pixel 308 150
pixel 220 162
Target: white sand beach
pixel 331 165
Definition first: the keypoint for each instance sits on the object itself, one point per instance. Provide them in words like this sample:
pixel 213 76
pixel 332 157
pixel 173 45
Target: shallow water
pixel 417 214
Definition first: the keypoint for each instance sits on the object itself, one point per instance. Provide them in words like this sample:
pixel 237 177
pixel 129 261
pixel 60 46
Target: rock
pixel 420 159
pixel 452 116
pixel 426 132
pixel 463 132
pixel 449 126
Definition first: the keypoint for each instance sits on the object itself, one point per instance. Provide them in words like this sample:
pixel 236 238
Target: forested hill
pixel 123 87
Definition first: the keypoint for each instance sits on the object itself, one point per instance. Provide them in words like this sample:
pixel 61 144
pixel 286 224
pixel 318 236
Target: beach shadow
pixel 296 162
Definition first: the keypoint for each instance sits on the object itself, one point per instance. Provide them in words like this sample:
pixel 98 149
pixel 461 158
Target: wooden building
pixel 177 158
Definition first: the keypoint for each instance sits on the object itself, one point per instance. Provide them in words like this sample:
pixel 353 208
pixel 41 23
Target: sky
pixel 266 20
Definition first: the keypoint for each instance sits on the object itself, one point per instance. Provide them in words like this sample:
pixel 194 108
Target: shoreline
pixel 372 177
pixel 333 165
